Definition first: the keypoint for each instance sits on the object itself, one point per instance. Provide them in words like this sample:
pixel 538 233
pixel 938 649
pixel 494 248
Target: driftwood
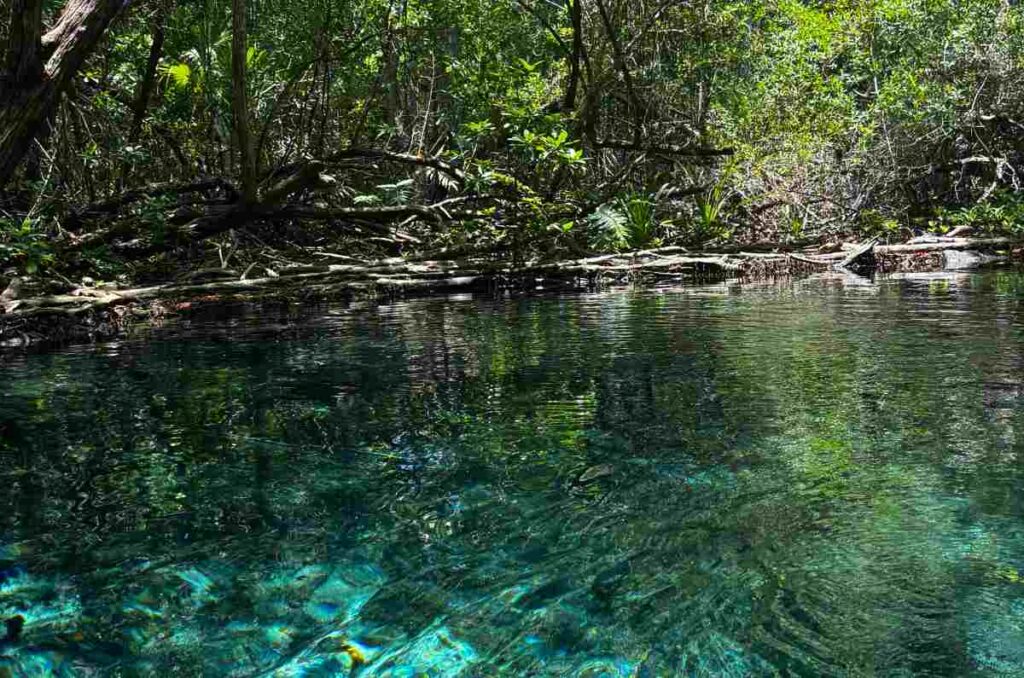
pixel 398 273
pixel 106 207
pixel 860 259
pixel 913 248
pixel 941 244
pixel 951 244
pixel 965 260
pixel 391 275
pixel 479 270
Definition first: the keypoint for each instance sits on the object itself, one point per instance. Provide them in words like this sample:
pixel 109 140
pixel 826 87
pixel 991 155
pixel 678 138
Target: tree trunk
pixel 25 45
pixel 30 91
pixel 145 92
pixel 240 99
pixel 619 58
pixel 576 57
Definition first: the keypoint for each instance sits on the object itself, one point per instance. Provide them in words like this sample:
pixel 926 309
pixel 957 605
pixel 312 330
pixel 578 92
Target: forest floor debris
pixel 94 311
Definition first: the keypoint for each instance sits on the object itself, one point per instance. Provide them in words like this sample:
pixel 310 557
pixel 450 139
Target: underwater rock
pixel 36 663
pixel 434 652
pixel 342 595
pixel 543 594
pixel 565 630
pixel 14 580
pixel 596 472
pixel 13 626
pixel 995 634
pixel 607 582
pixel 606 668
pixel 340 653
pixel 199 583
pixel 279 636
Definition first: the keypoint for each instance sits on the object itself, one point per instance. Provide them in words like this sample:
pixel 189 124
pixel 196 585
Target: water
pixel 809 479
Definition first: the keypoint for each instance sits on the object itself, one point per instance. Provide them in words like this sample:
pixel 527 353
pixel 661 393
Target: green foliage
pixel 549 155
pixel 874 224
pixel 630 221
pixel 554 146
pixel 387 194
pixel 833 109
pixel 708 223
pixel 609 228
pixel 1003 214
pixel 179 75
pixel 24 246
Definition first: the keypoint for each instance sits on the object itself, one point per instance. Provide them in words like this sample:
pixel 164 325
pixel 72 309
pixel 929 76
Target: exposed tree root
pixel 103 312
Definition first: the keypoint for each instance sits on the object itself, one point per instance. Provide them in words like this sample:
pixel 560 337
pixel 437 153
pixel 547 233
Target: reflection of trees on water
pixel 822 482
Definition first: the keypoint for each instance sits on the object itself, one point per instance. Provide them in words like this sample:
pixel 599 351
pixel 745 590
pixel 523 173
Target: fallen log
pixel 965 260
pixel 810 260
pixel 105 208
pixel 954 244
pixel 947 244
pixel 944 253
pixel 387 274
pixel 384 276
pixel 861 259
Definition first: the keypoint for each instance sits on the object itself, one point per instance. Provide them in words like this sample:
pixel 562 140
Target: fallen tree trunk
pixel 954 244
pixel 105 208
pixel 947 244
pixel 912 248
pixel 272 204
pixel 861 259
pixel 394 275
pixel 345 277
pixel 966 260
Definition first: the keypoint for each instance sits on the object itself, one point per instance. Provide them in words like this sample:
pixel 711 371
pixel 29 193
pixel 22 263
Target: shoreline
pixel 88 315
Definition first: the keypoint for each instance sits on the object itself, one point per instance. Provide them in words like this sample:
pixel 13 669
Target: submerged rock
pixel 343 594
pixel 434 652
pixel 595 472
pixel 607 582
pixel 13 626
pixel 606 668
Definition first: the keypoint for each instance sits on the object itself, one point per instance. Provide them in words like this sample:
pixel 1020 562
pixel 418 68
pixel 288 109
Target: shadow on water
pixel 816 478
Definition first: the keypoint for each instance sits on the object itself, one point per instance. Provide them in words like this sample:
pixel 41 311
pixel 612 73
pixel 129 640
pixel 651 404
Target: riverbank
pixel 92 312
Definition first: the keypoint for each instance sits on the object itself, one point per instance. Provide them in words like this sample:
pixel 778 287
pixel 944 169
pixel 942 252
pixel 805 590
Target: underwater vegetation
pixel 770 482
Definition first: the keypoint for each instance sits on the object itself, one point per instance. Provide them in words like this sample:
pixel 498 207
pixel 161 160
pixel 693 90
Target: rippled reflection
pixel 811 479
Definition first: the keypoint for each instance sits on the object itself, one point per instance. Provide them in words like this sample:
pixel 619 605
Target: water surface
pixel 806 479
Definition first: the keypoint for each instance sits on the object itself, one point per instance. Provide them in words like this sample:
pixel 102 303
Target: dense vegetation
pixel 137 138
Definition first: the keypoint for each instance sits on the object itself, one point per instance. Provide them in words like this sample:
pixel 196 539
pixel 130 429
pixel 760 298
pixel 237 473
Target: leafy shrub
pixel 874 224
pixel 1003 214
pixel 710 224
pixel 627 222
pixel 23 246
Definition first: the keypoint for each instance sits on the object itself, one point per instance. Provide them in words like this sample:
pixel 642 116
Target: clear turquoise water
pixel 807 479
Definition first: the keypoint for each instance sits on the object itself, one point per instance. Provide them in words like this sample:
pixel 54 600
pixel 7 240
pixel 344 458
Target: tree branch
pixel 665 149
pixel 423 161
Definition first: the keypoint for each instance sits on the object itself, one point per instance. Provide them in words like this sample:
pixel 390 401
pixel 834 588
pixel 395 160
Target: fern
pixel 627 222
pixel 443 179
pixel 397 194
pixel 640 218
pixel 178 75
pixel 609 228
